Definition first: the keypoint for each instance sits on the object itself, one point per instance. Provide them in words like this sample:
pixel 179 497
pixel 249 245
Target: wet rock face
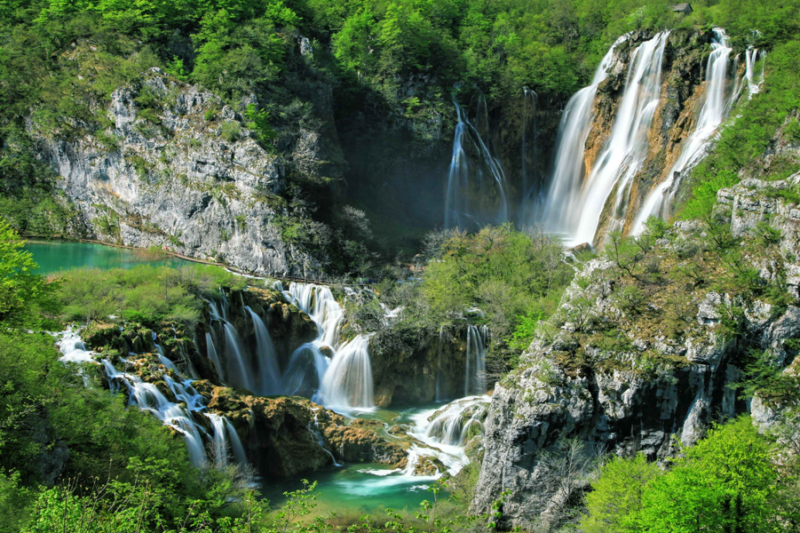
pixel 406 368
pixel 645 387
pixel 183 173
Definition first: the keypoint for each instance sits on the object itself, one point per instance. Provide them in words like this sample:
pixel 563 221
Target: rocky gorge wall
pixel 643 357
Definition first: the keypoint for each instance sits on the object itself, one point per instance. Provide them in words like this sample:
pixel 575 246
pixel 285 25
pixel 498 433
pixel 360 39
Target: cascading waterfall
pixel 268 371
pixel 471 179
pixel 475 374
pixel 343 381
pixel 626 149
pixel 148 398
pixel 563 209
pixel 713 113
pixel 451 425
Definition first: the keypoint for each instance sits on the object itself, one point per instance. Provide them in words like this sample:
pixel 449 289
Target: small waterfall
pixel 531 193
pixel 316 432
pixel 212 355
pixel 219 444
pixel 713 113
pixel 269 373
pixel 439 396
pixel 347 384
pixel 233 348
pixel 344 382
pixel 564 206
pixel 225 441
pixel 754 81
pixel 236 443
pixel 318 302
pixel 475 374
pixel 147 397
pixel 484 177
pixel 450 425
pixel 73 348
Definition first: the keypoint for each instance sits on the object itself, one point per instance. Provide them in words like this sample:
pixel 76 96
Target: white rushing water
pixel 475 368
pixel 341 380
pixel 626 149
pixel 269 374
pixel 475 176
pixel 714 111
pixel 563 209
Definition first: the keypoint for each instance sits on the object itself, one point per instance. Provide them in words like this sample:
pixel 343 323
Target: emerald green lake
pixel 56 256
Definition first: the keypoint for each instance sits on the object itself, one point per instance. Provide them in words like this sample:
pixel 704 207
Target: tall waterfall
pixel 564 204
pixel 267 361
pixel 711 116
pixel 626 149
pixel 475 373
pixel 476 183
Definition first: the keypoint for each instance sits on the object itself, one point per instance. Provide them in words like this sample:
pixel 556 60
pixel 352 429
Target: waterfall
pixel 236 443
pixel 439 365
pixel 267 360
pixel 304 372
pixel 450 425
pixel 212 355
pixel 347 383
pixel 752 56
pixel 564 209
pixel 481 177
pixel 316 432
pixel 147 397
pixel 626 149
pixel 219 444
pixel 531 194
pixel 711 117
pixel 475 374
pixel 233 347
pixel 73 348
pixel 345 380
pixel 225 441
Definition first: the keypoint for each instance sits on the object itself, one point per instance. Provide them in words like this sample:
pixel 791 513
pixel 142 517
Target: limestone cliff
pixel 177 168
pixel 647 348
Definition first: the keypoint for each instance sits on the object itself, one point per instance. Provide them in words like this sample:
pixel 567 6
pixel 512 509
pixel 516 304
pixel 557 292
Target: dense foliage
pixel 727 482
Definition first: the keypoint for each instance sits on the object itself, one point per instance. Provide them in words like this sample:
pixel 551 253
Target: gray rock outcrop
pixel 179 169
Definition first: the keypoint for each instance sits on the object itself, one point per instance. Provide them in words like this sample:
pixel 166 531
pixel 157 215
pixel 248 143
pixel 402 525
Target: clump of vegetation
pixel 142 294
pixel 729 481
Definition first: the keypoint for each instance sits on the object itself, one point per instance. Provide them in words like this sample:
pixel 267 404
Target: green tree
pixel 725 483
pixel 22 292
pixel 617 496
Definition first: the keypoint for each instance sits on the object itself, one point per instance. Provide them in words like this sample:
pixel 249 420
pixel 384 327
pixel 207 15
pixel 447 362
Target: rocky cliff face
pixel 176 168
pixel 647 348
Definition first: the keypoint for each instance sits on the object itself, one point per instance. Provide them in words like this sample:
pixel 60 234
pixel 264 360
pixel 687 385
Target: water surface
pixel 57 256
